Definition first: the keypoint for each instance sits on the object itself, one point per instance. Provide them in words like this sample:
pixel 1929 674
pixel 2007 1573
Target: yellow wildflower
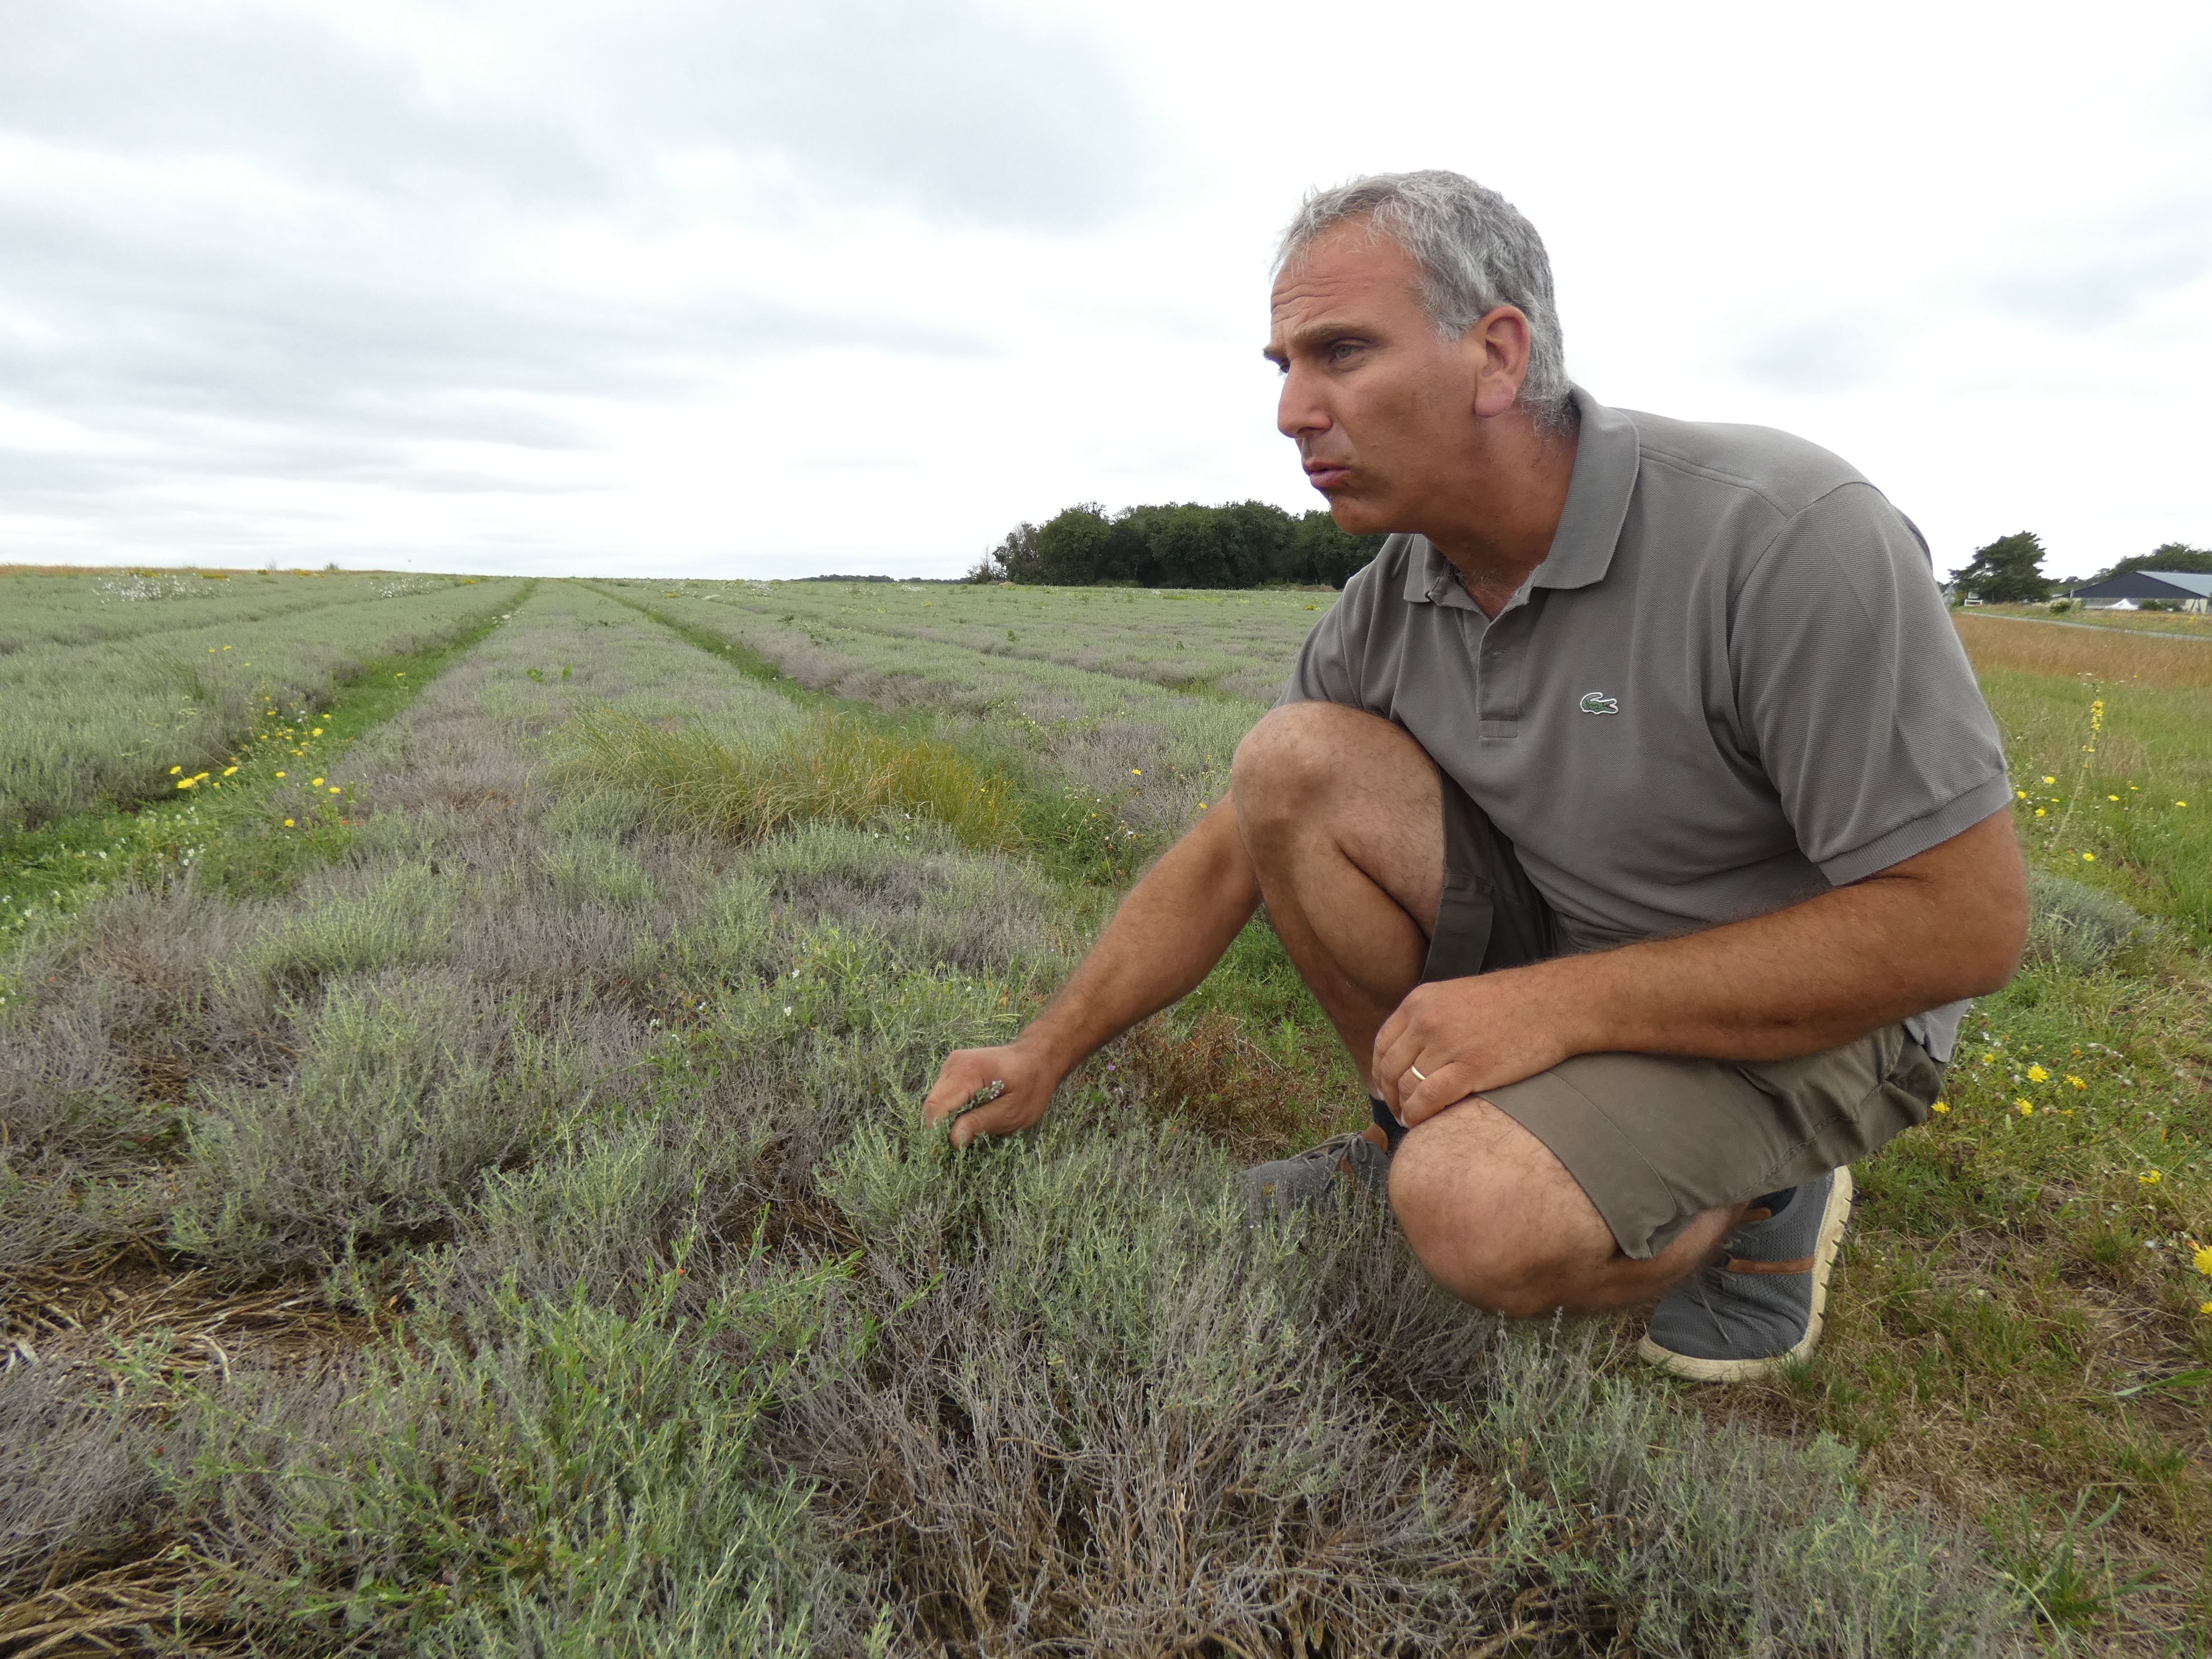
pixel 174 770
pixel 228 770
pixel 334 789
pixel 2204 1307
pixel 2150 1177
pixel 2037 1074
pixel 2047 778
pixel 2076 1081
pixel 287 823
pixel 2026 1108
pixel 2042 811
pixel 317 733
pixel 315 783
pixel 1941 1106
pixel 2111 798
pixel 2089 858
pixel 2203 1260
pixel 280 775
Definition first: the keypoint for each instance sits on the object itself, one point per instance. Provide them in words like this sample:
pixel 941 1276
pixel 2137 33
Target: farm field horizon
pixel 462 1187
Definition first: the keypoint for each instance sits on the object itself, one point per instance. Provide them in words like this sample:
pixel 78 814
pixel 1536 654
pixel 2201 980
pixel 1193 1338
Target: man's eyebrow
pixel 1318 333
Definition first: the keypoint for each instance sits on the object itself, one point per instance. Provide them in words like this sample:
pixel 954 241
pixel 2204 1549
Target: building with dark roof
pixel 2191 590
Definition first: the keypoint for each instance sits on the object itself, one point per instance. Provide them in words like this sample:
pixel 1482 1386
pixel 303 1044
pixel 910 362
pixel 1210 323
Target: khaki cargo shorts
pixel 1655 1139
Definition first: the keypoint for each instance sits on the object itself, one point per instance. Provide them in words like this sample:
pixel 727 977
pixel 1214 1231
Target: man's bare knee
pixel 1493 1216
pixel 1296 756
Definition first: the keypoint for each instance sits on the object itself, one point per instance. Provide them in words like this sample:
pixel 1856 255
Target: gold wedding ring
pixel 1419 1072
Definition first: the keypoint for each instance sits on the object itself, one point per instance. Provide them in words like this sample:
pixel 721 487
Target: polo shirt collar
pixel 1606 456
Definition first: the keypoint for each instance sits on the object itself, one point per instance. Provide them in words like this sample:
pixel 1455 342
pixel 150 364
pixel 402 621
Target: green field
pixel 464 1191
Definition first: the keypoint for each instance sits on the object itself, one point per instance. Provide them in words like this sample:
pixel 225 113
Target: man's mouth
pixel 1326 476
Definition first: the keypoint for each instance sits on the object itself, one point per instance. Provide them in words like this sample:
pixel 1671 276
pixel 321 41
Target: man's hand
pixel 1024 1084
pixel 1164 937
pixel 1465 1035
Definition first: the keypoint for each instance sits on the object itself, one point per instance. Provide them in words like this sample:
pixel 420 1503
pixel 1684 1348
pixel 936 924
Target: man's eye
pixel 1342 349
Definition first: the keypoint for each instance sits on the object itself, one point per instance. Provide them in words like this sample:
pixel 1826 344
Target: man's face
pixel 1383 412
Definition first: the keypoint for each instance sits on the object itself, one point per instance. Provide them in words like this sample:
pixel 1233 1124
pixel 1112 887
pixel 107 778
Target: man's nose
pixel 1297 410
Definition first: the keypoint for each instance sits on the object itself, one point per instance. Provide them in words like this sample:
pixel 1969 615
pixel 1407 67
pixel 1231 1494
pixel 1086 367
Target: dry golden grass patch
pixel 1258 1101
pixel 2031 647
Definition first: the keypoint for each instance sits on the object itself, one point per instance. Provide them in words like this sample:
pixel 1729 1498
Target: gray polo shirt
pixel 1730 686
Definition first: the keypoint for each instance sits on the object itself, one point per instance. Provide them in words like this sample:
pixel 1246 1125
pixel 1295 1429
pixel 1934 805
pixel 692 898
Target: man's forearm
pixel 1165 938
pixel 1940 927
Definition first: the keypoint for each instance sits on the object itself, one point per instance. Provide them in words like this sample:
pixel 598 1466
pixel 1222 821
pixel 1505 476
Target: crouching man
pixel 1635 815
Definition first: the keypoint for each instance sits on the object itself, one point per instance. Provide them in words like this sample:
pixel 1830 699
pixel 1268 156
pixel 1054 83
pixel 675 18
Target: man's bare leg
pixel 1498 1221
pixel 1342 817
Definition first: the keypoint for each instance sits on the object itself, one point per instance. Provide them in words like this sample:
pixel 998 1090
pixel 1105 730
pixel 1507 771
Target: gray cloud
pixel 952 108
pixel 1823 354
pixel 143 79
pixel 966 113
pixel 2102 270
pixel 364 304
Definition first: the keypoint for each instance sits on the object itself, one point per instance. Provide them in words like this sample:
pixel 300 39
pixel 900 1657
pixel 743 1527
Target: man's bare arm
pixel 1164 939
pixel 1947 924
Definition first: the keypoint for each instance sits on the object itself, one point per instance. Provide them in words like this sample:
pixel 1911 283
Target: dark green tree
pixel 1320 552
pixel 1237 544
pixel 1072 545
pixel 2008 571
pixel 1016 559
pixel 2169 556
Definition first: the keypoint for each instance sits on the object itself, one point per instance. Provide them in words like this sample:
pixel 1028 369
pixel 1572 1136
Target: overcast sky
pixel 681 287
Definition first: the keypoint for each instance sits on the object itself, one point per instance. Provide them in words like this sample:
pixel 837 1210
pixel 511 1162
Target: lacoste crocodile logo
pixel 1596 702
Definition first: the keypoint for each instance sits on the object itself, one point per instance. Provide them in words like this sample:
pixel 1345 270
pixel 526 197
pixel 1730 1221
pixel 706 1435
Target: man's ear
pixel 1498 346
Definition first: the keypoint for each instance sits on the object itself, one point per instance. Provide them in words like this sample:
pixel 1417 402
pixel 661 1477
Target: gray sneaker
pixel 1747 1316
pixel 1294 1183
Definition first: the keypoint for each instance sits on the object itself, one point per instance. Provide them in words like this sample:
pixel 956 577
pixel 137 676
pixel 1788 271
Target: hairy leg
pixel 1342 815
pixel 1498 1221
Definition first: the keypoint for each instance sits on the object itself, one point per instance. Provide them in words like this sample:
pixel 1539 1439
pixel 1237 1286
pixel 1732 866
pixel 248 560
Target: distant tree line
pixel 1242 545
pixel 2009 570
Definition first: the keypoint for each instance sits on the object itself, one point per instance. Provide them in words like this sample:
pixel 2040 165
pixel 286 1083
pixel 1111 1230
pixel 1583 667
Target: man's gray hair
pixel 1476 252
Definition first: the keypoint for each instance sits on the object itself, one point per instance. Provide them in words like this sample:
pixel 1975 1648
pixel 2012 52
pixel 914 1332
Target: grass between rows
pixel 233 828
pixel 980 780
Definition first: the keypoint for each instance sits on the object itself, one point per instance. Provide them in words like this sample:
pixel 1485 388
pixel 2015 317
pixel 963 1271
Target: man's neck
pixel 1502 528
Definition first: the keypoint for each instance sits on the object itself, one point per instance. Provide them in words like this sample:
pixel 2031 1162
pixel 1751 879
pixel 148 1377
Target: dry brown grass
pixel 2103 654
pixel 1209 1075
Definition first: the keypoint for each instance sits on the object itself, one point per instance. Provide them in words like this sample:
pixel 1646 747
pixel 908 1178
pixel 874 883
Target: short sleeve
pixel 1852 685
pixel 1332 664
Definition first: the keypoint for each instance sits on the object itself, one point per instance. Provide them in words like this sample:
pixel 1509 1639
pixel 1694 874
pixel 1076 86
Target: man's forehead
pixel 1342 273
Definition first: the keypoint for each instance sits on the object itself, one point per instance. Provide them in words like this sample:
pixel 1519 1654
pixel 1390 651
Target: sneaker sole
pixel 1694 1370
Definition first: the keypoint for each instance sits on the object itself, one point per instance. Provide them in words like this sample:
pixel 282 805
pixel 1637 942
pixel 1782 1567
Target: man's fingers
pixel 955 1086
pixel 1446 1086
pixel 1393 1066
pixel 1000 1117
